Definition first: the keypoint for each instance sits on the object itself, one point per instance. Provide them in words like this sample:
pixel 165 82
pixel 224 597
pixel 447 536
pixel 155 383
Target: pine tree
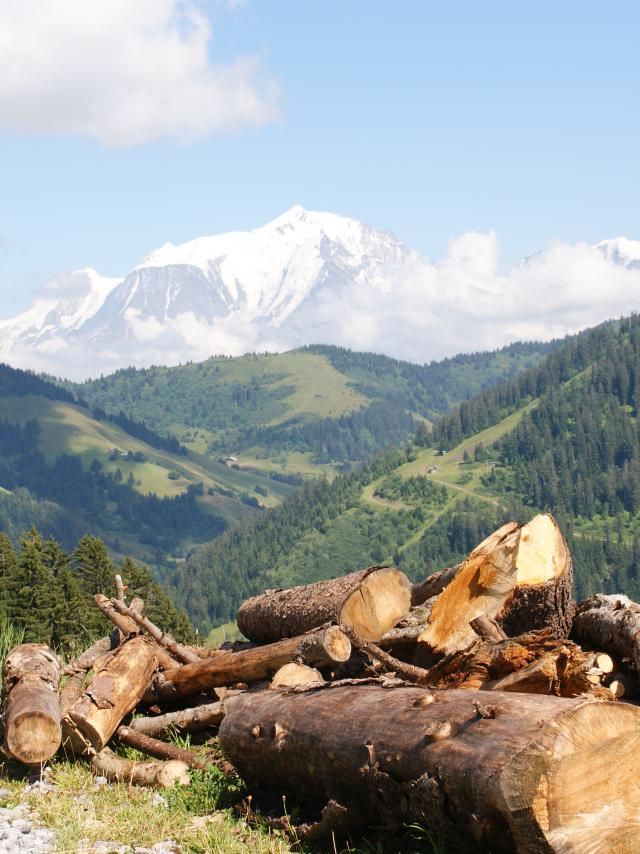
pixel 31 593
pixel 8 569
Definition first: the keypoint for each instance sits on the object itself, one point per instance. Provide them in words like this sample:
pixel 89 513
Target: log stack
pixel 478 701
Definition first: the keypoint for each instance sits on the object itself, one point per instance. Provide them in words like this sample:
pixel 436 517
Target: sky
pixel 124 125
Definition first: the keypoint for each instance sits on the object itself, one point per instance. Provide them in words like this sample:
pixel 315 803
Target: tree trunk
pixel 187 720
pixel 371 601
pixel 320 647
pixel 112 693
pixel 610 623
pixel 521 576
pixel 30 707
pixel 528 774
pixel 159 774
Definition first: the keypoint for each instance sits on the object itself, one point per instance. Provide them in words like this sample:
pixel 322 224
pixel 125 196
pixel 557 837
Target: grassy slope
pixel 213 402
pixel 69 429
pixel 350 540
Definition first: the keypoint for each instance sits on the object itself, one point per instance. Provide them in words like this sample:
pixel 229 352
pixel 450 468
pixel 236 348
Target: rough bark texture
pixel 159 774
pixel 530 774
pixel 187 720
pixel 372 601
pixel 30 707
pixel 317 648
pixel 610 623
pixel 112 693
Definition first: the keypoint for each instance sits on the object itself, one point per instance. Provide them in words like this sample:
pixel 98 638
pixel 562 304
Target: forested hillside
pixel 47 593
pixel 300 410
pixel 562 436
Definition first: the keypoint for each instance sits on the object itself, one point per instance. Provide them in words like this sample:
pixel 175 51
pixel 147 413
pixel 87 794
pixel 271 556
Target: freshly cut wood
pixel 293 675
pixel 321 647
pixel 159 774
pixel 610 623
pixel 531 773
pixel 30 707
pixel 601 661
pixel 112 693
pixel 544 584
pixel 186 720
pixel 167 641
pixel 432 585
pixel 155 747
pixel 521 576
pixel 536 678
pixel 371 601
pixel 619 685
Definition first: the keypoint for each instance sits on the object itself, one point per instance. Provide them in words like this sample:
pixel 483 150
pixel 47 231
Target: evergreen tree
pixel 8 571
pixel 31 593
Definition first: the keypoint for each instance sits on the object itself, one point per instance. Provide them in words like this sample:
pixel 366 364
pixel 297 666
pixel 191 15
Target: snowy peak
pixel 621 250
pixel 205 289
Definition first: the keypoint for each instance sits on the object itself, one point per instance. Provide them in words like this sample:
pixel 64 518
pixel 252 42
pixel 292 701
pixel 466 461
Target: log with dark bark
pixel 321 647
pixel 530 773
pixel 112 693
pixel 372 601
pixel 154 747
pixel 521 576
pixel 164 640
pixel 158 774
pixel 30 703
pixel 610 623
pixel 186 720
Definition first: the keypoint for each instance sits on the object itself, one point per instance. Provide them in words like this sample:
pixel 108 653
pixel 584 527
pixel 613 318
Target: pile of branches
pixel 481 701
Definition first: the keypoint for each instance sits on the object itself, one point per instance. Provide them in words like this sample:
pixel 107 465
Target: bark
pixel 177 650
pixel 432 585
pixel 521 576
pixel 610 623
pixel 409 629
pixel 187 720
pixel 158 774
pixel 506 776
pixel 31 707
pixel 321 647
pixel 112 693
pixel 293 675
pixel 154 747
pixel 372 601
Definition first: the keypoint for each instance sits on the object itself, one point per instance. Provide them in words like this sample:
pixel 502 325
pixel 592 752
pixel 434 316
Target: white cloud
pixel 123 72
pixel 422 310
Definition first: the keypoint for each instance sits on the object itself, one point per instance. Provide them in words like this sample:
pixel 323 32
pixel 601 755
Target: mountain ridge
pixel 305 278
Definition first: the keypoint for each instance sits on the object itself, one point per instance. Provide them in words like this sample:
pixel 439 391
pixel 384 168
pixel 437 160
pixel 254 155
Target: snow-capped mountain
pixel 311 277
pixel 208 288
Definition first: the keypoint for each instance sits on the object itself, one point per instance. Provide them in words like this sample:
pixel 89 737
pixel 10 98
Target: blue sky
pixel 429 119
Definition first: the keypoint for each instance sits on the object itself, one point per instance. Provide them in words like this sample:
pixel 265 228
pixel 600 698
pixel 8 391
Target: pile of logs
pixel 482 701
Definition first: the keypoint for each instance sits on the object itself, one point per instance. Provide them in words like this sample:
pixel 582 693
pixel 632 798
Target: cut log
pixel 30 705
pixel 521 576
pixel 159 774
pixel 186 720
pixel 294 675
pixel 601 661
pixel 317 648
pixel 610 623
pixel 177 650
pixel 371 601
pixel 155 747
pixel 543 596
pixel 112 693
pixel 538 677
pixel 531 774
pixel 619 685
